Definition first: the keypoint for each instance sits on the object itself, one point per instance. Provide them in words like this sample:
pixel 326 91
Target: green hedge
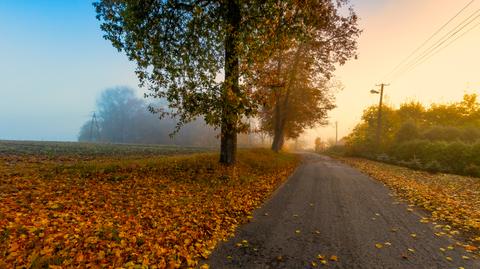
pixel 438 156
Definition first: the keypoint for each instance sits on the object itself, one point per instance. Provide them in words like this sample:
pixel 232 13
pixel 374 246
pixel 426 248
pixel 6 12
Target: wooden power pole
pixel 379 117
pixel 94 123
pixel 336 133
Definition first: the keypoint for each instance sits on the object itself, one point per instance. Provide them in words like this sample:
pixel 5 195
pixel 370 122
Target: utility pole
pixel 336 133
pixel 379 116
pixel 93 123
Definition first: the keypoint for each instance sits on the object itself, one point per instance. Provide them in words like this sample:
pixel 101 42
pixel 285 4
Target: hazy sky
pixel 54 63
pixel 392 30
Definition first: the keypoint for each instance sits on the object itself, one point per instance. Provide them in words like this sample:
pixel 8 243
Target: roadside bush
pixel 475 153
pixel 433 167
pixel 336 150
pixel 472 170
pixel 456 156
pixel 414 164
pixel 385 158
pixel 437 156
pixel 443 133
pixel 471 134
pixel 408 131
pixel 408 150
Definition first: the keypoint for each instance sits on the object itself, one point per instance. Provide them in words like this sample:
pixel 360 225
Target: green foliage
pixel 408 131
pixel 433 166
pixel 442 133
pixel 337 150
pixel 473 170
pixel 441 138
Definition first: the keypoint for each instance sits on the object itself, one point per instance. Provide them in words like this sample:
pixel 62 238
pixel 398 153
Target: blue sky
pixel 53 65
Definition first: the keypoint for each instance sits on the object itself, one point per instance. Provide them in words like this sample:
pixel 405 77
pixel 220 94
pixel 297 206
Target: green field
pixel 78 149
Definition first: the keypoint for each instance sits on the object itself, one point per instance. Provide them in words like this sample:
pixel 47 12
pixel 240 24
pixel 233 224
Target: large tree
pixel 182 47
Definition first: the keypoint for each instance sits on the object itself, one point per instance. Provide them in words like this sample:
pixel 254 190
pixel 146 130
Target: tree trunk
pixel 228 145
pixel 281 110
pixel 231 90
pixel 278 138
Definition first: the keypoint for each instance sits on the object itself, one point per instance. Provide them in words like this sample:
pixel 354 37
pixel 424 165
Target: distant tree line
pixel 442 137
pixel 122 117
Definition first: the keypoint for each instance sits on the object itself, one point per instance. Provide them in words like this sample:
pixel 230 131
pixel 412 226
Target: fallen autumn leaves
pixel 451 198
pixel 164 211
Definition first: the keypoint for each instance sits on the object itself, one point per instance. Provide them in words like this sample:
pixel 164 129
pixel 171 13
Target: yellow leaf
pixel 334 258
pixel 378 245
pixel 204 266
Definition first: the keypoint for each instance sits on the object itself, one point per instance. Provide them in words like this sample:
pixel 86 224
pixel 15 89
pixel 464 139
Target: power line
pixel 432 50
pixel 438 43
pixel 437 49
pixel 428 39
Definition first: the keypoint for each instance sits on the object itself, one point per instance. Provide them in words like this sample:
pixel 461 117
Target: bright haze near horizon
pixel 54 63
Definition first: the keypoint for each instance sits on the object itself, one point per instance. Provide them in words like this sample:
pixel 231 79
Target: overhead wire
pixel 437 46
pixel 428 39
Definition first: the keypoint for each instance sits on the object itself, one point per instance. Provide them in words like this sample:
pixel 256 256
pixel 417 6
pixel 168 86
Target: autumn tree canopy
pixel 295 79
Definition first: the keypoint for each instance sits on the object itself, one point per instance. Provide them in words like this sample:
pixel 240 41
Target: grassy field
pixel 87 205
pixel 453 200
pixel 54 150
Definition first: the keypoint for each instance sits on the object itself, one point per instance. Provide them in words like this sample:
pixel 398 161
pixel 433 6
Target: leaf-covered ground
pixel 155 211
pixel 452 200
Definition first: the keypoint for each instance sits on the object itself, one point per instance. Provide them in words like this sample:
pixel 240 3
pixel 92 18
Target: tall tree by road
pixel 295 80
pixel 181 48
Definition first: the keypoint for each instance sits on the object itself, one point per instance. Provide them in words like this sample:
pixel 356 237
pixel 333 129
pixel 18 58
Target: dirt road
pixel 329 208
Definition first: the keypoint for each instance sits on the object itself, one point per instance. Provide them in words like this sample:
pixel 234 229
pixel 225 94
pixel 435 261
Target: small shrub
pixel 433 166
pixel 384 158
pixel 472 170
pixel 414 164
